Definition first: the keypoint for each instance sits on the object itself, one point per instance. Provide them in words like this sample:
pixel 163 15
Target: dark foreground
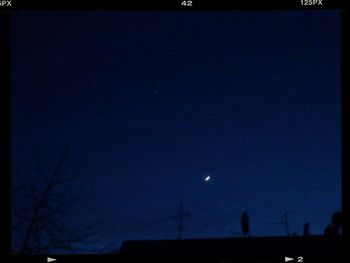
pixel 277 247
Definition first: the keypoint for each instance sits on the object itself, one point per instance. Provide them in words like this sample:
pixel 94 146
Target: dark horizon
pixel 152 103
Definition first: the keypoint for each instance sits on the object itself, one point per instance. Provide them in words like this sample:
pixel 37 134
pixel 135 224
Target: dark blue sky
pixel 152 102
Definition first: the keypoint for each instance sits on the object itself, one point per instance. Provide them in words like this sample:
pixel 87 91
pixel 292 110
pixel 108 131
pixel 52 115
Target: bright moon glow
pixel 207 178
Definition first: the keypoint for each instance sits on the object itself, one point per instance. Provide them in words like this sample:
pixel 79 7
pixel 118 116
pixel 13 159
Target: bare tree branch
pixel 41 203
pixel 41 216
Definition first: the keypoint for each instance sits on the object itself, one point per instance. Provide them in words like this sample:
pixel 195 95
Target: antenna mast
pixel 180 217
pixel 285 222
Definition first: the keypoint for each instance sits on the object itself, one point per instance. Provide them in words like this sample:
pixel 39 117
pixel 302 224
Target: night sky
pixel 150 103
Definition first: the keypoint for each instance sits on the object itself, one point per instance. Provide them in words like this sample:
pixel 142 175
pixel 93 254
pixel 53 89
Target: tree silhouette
pixel 245 223
pixel 307 229
pixel 337 222
pixel 334 228
pixel 40 218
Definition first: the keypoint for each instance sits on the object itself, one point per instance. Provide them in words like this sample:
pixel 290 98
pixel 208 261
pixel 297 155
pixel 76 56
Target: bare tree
pixel 40 215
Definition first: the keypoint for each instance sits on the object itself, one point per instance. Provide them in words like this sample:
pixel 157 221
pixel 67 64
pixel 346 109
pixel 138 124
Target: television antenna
pixel 180 216
pixel 284 222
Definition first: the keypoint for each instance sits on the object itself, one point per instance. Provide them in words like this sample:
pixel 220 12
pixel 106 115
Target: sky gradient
pixel 150 103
